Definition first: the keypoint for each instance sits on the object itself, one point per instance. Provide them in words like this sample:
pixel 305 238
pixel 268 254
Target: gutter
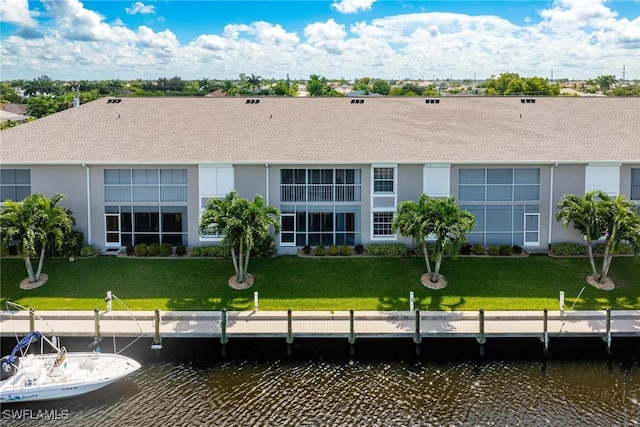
pixel 551 181
pixel 88 204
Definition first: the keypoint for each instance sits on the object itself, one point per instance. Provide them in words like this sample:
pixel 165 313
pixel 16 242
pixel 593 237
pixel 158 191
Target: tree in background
pixel 244 224
pixel 41 105
pixel 33 224
pixel 606 82
pixel 596 215
pixel 254 83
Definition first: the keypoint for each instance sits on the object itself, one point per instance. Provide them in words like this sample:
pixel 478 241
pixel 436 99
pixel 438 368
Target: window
pixel 382 223
pixel 320 185
pixel 499 185
pixel 130 225
pixel 145 185
pixel 315 225
pixel 635 184
pixel 383 180
pixel 15 184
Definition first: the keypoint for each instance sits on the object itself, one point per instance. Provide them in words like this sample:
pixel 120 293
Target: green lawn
pixel 528 283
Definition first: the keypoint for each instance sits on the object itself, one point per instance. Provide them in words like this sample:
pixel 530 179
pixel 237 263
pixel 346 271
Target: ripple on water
pixel 356 393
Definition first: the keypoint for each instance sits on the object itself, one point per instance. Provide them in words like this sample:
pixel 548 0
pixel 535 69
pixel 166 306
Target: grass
pixel 531 283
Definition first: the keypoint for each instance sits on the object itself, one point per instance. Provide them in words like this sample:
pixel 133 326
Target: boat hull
pixel 42 377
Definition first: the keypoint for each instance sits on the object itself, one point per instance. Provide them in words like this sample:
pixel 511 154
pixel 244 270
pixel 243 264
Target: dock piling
pixel 481 337
pixel 157 340
pixel 412 301
pixel 289 333
pixel 96 330
pixel 608 326
pixel 545 330
pixel 255 301
pixel 32 320
pixel 352 333
pixel 417 338
pixel 223 331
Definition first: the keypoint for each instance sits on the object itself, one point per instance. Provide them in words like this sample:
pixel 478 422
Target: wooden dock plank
pixel 323 324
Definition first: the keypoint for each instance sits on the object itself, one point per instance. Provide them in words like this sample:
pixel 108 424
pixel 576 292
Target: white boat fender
pixel 8 369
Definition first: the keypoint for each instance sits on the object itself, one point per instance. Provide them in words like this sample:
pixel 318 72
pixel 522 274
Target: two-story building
pixel 142 169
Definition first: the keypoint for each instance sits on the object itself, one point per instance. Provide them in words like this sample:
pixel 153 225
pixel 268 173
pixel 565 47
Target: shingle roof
pixel 331 130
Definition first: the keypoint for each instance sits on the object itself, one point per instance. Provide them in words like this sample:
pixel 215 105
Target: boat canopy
pixel 24 342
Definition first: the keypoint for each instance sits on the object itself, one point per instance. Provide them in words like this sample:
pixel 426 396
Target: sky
pixel 350 39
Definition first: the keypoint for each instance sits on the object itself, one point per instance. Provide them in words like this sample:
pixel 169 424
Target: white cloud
pixel 352 6
pixel 16 12
pixel 575 38
pixel 139 7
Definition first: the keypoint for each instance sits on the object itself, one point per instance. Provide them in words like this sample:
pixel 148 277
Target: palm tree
pixel 254 83
pixel 583 213
pixel 32 224
pixel 597 215
pixel 205 85
pixel 439 219
pixel 243 224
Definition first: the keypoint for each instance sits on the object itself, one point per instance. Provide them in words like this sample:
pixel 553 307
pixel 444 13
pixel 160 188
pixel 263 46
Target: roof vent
pixel 252 101
pixel 527 100
pixel 432 101
pixel 357 101
pixel 114 101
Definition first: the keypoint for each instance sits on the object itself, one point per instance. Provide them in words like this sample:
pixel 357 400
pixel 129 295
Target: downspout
pixel 266 165
pixel 550 204
pixel 88 204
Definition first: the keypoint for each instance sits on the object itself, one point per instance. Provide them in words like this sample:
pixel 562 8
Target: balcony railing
pixel 313 193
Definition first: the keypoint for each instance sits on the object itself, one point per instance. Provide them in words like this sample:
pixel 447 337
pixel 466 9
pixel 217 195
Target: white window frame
pixel 391 196
pixel 436 180
pixel 214 182
pixel 603 177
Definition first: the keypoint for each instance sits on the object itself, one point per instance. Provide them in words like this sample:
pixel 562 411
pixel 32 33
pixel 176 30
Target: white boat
pixel 59 374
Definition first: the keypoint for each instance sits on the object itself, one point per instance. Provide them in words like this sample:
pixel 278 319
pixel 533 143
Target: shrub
pixel 87 251
pixel 181 250
pixel 359 249
pixel 154 249
pixel 493 250
pixel 72 242
pixel 265 248
pixel 517 250
pixel 387 249
pixel 166 249
pixel 319 251
pixel 345 250
pixel 210 251
pixel 465 249
pixel 565 249
pixel 140 249
pixel 623 249
pixel 478 249
pixel 129 250
pixel 334 250
pixel 505 250
pixel 306 249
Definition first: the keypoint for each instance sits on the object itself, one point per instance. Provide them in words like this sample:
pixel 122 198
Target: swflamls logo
pixel 30 414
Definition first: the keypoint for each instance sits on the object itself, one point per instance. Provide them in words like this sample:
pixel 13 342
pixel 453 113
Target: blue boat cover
pixel 24 342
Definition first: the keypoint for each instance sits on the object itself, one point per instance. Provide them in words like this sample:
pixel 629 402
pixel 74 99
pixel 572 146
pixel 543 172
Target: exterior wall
pixel 409 188
pixel 567 179
pixel 69 180
pixel 250 180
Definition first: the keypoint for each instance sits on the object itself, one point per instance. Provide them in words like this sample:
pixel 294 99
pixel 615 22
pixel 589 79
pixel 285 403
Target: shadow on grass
pixel 283 282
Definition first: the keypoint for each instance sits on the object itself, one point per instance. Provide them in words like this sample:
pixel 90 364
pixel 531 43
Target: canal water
pixel 374 383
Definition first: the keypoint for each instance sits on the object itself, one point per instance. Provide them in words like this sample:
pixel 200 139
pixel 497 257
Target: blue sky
pixel 72 39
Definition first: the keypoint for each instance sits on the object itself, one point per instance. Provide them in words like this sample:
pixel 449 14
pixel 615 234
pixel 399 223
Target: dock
pixel 288 325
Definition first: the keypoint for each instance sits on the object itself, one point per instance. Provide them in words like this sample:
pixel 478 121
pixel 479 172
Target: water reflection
pixel 385 384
